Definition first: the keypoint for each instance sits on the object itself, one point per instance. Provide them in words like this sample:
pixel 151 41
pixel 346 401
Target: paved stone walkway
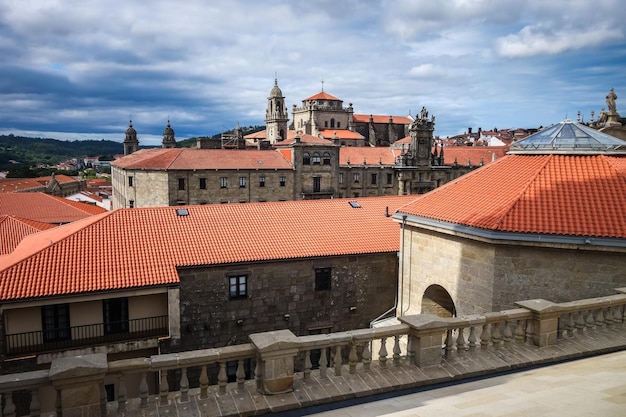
pixel 586 387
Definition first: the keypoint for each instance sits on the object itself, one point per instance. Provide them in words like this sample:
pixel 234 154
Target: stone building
pixel 546 221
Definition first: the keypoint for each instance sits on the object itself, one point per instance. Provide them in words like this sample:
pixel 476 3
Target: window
pixel 341 178
pixel 181 184
pixel 55 321
pixel 357 177
pixel 203 183
pixel 238 287
pixel 316 159
pixel 317 184
pixel 283 180
pixel 374 179
pixel 326 158
pixel 242 182
pixel 130 181
pixel 389 179
pixel 322 279
pixel 326 123
pixel 262 181
pixel 306 159
pixel 115 313
pixel 332 123
pixel 223 182
pixel 338 125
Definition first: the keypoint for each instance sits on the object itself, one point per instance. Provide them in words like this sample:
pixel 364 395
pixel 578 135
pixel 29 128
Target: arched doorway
pixel 437 301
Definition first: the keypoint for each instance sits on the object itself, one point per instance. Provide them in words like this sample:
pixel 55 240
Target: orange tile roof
pixel 45 208
pixel 372 156
pixel 544 194
pixel 14 229
pixel 189 158
pixel 365 118
pixel 304 138
pixel 473 154
pixel 10 185
pixel 341 134
pixel 146 245
pixel 322 96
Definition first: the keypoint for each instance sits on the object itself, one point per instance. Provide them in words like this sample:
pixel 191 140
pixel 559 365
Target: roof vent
pixel 182 212
pixel 354 204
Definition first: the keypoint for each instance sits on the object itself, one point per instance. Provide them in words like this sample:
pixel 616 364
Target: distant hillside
pixel 33 151
pixel 191 142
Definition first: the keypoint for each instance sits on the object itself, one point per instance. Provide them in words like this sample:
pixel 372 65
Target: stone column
pixel 79 381
pixel 276 353
pixel 545 321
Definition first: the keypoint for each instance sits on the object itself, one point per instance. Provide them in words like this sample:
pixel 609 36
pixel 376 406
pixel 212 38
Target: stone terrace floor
pixel 340 392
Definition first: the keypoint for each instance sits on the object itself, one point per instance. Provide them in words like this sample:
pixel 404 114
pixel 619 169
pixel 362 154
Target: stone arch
pixel 436 300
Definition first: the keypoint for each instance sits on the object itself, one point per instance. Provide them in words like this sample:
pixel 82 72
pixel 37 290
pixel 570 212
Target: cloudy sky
pixel 81 69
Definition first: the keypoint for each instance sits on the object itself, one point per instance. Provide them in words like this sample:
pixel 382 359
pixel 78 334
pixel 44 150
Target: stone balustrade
pixel 279 358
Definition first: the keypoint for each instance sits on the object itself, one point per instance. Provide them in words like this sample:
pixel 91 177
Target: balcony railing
pixel 88 335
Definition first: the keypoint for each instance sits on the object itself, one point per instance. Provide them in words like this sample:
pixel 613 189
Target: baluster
pixel 9 406
pixel 590 322
pixel 410 350
pixel 258 373
pixel 382 353
pixel 241 375
pixel 35 404
pixel 496 335
pixel 570 325
pixel 204 382
pixel 508 335
pixel 449 344
pixel 222 378
pixel 307 365
pixel 164 387
pixel 608 316
pixel 184 386
pixel 485 336
pixel 353 358
pixel 396 351
pixel 367 356
pixel 580 322
pixel 460 341
pixel 338 360
pixel 560 327
pixel 529 329
pixel 143 391
pixel 323 363
pixel 520 332
pixel 472 337
pixel 121 394
pixel 600 318
pixel 617 314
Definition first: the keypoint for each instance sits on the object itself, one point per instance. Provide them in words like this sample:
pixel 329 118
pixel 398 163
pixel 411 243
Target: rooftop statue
pixel 610 101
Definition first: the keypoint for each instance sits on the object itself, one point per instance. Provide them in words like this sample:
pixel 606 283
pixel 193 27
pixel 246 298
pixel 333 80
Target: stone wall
pixel 363 287
pixel 482 277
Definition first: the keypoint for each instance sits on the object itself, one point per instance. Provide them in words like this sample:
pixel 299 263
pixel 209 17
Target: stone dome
pixel 168 131
pixel 130 131
pixel 276 92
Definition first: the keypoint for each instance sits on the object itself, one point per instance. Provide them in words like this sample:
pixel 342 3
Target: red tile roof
pixel 10 185
pixel 473 154
pixel 365 118
pixel 146 245
pixel 304 138
pixel 45 208
pixel 322 96
pixel 544 194
pixel 14 229
pixel 341 134
pixel 189 158
pixel 372 156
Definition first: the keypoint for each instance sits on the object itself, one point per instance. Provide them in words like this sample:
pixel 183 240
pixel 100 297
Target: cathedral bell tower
pixel 169 141
pixel 276 115
pixel 131 144
pixel 421 131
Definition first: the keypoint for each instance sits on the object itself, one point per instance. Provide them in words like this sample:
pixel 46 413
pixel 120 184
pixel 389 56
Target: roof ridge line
pixel 179 153
pixel 523 191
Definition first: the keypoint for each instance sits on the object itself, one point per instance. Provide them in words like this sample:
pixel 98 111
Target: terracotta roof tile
pixel 473 154
pixel 188 158
pixel 304 138
pixel 365 118
pixel 341 134
pixel 544 194
pixel 144 246
pixel 45 208
pixel 14 229
pixel 322 96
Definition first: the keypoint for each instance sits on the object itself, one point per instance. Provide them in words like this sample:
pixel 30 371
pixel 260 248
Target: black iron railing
pixel 88 335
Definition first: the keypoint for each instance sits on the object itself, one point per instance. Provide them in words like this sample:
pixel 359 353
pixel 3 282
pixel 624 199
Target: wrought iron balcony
pixel 88 335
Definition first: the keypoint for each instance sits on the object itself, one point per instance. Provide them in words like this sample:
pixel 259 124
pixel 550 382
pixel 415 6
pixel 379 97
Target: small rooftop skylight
pixel 354 204
pixel 182 212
